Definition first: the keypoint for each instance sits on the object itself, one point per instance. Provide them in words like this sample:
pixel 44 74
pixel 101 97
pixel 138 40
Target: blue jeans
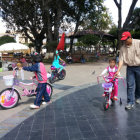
pixel 41 92
pixel 82 60
pixel 133 83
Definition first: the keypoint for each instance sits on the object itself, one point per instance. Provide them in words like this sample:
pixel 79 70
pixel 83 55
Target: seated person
pixel 23 61
pixel 82 59
pixel 69 59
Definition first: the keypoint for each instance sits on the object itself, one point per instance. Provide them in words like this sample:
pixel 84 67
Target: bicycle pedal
pixel 32 91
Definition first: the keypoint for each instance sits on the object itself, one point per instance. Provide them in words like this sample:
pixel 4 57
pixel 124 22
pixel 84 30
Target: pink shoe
pixel 103 95
pixel 49 102
pixel 115 98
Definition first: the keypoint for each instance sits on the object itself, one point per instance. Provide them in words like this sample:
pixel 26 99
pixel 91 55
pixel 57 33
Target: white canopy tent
pixel 13 47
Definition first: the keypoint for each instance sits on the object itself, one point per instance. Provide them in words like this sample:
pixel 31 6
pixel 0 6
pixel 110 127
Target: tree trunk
pixel 38 44
pixel 120 29
pixel 47 20
pixel 73 36
pixel 119 6
pixel 129 14
pixel 57 21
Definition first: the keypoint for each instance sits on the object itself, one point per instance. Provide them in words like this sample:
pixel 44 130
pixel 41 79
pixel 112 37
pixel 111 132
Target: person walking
pixel 130 56
pixel 41 75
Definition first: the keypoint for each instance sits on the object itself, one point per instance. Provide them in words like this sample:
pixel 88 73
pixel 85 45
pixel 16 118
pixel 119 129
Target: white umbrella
pixel 13 47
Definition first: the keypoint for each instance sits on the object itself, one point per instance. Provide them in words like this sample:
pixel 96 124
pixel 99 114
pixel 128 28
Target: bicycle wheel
pixel 49 89
pixel 52 80
pixel 8 99
pixel 112 102
pixel 62 75
pixel 106 103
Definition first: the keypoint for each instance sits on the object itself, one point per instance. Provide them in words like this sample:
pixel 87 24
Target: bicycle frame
pixel 111 79
pixel 9 97
pixel 108 89
pixel 54 71
pixel 26 92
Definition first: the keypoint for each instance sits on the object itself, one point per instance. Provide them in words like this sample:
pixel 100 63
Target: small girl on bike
pixel 111 70
pixel 41 75
pixel 56 61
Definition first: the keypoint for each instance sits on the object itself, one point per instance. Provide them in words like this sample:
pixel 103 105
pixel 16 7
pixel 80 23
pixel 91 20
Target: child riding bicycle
pixel 56 62
pixel 111 70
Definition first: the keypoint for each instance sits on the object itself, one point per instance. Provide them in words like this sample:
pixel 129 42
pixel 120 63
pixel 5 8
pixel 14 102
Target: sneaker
pixel 103 95
pixel 34 106
pixel 138 101
pixel 115 98
pixel 129 106
pixel 49 102
pixel 44 103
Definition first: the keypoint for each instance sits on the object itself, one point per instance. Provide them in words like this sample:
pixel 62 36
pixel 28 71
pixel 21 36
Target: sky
pixel 110 4
pixel 111 7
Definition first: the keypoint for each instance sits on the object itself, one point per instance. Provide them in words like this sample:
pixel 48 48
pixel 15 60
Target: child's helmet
pixel 37 57
pixel 56 51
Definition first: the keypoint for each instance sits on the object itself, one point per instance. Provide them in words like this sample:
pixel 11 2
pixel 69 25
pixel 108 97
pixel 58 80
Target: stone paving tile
pixel 62 87
pixel 80 116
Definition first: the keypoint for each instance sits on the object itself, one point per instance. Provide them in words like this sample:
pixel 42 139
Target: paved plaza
pixel 76 112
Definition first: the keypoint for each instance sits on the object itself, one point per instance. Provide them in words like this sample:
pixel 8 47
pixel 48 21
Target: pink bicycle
pixel 9 97
pixel 54 74
pixel 108 87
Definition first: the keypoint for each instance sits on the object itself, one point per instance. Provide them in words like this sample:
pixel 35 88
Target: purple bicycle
pixel 55 75
pixel 108 88
pixel 9 97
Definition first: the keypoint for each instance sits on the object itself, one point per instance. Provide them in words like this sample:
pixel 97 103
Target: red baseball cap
pixel 125 35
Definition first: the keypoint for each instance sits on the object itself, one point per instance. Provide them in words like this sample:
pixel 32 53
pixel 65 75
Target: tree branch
pixel 25 30
pixel 117 4
pixel 129 14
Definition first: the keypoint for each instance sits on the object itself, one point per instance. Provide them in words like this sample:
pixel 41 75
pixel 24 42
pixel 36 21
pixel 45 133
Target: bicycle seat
pixel 53 68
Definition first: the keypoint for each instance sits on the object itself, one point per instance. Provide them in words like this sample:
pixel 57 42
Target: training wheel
pixel 120 101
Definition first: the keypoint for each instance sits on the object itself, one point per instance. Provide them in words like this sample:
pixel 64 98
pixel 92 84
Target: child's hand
pixel 19 65
pixel 116 74
pixel 20 68
pixel 34 77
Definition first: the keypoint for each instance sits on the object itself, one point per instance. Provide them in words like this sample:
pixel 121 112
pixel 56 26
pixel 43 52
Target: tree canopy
pixel 6 39
pixel 124 27
pixel 39 19
pixel 25 16
pixel 89 40
pixel 134 24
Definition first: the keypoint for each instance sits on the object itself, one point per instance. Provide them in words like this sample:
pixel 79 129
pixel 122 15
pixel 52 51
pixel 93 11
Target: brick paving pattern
pixel 79 115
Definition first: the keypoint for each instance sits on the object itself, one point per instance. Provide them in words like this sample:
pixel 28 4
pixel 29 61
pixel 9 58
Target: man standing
pixel 130 56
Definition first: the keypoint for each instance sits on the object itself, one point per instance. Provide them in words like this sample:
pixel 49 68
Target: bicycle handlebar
pixel 110 79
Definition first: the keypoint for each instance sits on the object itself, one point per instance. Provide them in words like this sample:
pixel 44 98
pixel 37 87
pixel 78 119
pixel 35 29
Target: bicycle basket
pixel 107 87
pixel 8 80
